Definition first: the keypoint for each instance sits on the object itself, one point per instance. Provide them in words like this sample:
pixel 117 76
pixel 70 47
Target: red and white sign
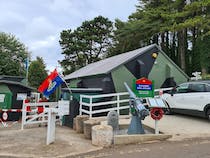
pixel 4 116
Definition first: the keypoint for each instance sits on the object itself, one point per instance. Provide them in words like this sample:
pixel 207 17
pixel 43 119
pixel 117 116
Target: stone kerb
pixel 88 127
pixel 102 135
pixel 80 123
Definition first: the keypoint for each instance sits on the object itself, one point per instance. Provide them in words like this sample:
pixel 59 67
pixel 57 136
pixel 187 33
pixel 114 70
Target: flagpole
pixel 67 85
pixel 64 82
pixel 27 66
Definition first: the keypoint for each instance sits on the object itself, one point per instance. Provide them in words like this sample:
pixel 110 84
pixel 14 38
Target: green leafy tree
pixel 37 72
pixel 13 55
pixel 175 25
pixel 88 43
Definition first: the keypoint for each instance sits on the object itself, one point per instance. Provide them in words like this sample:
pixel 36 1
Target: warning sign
pixel 4 116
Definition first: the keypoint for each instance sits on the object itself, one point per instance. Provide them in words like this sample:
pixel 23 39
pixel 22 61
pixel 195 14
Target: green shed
pixel 108 75
pixel 12 93
pixel 5 97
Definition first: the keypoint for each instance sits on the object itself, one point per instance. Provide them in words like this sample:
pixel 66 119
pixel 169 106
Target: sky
pixel 38 23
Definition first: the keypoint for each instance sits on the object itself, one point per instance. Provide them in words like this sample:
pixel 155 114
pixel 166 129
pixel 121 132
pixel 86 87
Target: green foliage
pixel 88 43
pixel 206 76
pixel 177 26
pixel 37 73
pixel 202 48
pixel 13 54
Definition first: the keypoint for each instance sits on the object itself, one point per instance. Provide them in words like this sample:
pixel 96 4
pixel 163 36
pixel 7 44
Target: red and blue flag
pixel 49 85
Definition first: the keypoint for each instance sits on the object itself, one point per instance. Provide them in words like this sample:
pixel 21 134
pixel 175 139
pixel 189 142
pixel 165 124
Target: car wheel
pixel 208 114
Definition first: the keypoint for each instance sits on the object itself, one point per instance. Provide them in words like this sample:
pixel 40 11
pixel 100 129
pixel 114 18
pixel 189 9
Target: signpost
pixel 156 114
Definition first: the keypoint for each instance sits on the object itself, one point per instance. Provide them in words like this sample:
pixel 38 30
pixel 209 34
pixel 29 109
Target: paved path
pixel 181 126
pixel 193 148
pixel 31 143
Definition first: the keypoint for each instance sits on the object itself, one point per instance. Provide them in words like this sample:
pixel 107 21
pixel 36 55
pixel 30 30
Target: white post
pixel 91 105
pixel 80 107
pixel 156 127
pixel 43 113
pixel 23 115
pixel 118 104
pixel 51 126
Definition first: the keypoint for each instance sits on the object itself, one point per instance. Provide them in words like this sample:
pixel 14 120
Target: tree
pixel 13 55
pixel 88 43
pixel 175 25
pixel 202 49
pixel 37 72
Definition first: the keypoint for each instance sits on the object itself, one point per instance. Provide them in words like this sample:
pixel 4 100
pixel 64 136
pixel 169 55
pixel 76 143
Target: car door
pixel 181 96
pixel 195 97
pixel 200 96
pixel 177 99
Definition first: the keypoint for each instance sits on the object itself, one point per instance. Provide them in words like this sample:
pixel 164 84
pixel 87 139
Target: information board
pixel 21 96
pixel 63 107
pixel 2 96
pixel 144 88
pixel 156 102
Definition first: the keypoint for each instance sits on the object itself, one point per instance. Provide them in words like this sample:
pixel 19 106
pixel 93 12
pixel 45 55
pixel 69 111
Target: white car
pixel 192 98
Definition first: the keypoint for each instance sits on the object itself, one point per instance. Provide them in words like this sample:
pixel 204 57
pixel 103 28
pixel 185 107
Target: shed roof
pixel 16 83
pixel 108 64
pixel 12 78
pixel 4 89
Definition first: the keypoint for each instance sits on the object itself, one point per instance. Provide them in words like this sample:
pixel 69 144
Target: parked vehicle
pixel 192 98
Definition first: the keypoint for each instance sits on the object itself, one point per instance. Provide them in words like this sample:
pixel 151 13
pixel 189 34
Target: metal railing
pixel 116 103
pixel 88 102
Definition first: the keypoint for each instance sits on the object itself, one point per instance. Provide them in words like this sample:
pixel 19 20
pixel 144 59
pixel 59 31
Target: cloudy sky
pixel 38 23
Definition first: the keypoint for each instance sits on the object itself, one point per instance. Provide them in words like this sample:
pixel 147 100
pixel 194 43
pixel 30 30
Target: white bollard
pixel 102 135
pixel 156 127
pixel 51 126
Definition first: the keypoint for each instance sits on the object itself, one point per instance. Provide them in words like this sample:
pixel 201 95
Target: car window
pixel 197 87
pixel 182 88
pixel 208 88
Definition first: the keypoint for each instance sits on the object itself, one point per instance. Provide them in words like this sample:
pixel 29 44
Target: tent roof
pixel 108 64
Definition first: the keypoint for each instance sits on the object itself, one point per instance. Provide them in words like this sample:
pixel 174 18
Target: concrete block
pixel 88 127
pixel 80 123
pixel 102 135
